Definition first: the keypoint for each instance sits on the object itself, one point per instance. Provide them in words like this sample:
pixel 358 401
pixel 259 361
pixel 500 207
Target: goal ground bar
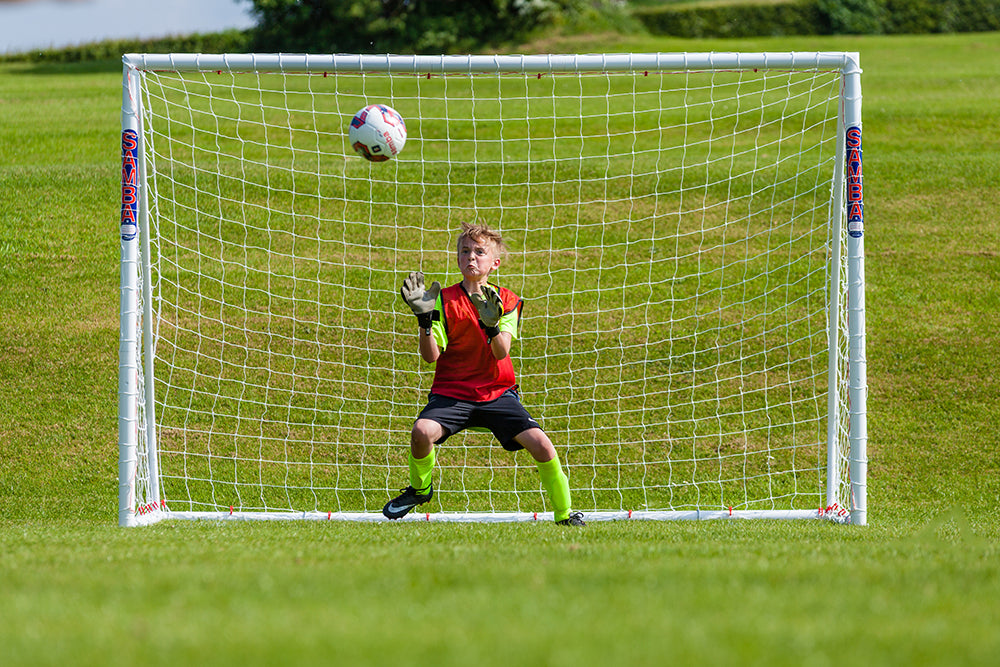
pixel 490 517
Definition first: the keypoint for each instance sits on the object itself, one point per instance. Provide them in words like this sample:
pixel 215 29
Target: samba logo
pixel 130 185
pixel 855 184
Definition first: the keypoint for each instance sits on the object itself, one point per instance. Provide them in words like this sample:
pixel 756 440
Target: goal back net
pixel 685 231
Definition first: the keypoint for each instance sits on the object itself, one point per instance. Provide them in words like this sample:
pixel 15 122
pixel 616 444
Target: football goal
pixel 686 231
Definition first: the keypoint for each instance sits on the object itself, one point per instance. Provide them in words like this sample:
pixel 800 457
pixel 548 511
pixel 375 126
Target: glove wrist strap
pixel 426 320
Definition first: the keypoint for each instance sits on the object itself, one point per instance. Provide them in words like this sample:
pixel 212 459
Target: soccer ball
pixel 377 133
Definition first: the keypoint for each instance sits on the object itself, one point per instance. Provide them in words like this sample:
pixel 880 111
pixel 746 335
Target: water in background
pixel 42 24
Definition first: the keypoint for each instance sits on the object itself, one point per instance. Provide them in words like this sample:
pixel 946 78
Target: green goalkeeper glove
pixel 490 309
pixel 420 299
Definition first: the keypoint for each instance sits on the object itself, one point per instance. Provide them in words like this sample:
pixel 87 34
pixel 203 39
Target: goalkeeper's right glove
pixel 420 299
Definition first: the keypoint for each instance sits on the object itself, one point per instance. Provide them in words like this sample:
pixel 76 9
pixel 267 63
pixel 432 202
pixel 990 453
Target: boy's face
pixel 477 258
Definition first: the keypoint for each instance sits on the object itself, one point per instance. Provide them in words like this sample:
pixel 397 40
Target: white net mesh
pixel 669 231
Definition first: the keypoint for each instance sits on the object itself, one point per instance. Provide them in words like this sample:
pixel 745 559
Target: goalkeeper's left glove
pixel 490 309
pixel 420 299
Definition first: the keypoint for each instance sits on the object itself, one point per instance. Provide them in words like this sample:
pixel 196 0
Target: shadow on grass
pixel 49 68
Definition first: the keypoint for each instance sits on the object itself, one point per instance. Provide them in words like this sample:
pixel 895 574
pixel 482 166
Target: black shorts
pixel 504 417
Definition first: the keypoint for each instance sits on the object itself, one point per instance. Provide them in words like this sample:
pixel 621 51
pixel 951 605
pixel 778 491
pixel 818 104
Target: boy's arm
pixel 429 350
pixel 500 345
pixel 423 301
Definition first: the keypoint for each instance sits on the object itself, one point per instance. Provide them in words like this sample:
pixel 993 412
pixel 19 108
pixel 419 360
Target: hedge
pixel 821 17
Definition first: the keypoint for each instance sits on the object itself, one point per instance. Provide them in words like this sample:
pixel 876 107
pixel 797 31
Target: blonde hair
pixel 479 233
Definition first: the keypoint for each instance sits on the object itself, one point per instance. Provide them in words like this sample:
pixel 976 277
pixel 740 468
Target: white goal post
pixel 686 230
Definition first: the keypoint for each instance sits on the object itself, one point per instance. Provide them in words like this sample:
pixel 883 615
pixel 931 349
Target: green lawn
pixel 918 586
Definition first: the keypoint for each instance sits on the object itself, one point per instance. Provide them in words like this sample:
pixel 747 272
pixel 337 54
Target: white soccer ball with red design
pixel 377 133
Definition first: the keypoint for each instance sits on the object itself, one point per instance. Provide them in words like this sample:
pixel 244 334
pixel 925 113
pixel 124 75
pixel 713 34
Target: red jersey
pixel 467 369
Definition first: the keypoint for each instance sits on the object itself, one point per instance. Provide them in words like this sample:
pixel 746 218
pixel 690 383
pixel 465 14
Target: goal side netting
pixel 686 231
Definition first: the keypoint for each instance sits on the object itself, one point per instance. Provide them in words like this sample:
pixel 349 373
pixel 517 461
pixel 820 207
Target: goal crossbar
pixel 687 229
pixel 848 62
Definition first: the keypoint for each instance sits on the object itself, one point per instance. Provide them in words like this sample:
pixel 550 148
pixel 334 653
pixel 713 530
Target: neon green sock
pixel 556 485
pixel 421 471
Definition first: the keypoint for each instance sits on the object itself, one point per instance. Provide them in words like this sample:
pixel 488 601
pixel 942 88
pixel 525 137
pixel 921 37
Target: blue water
pixel 41 24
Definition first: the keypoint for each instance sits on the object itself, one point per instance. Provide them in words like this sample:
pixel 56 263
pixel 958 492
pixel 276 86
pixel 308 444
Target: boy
pixel 467 330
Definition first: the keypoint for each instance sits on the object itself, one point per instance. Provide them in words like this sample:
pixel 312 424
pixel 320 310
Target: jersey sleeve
pixel 438 329
pixel 509 323
pixel 511 320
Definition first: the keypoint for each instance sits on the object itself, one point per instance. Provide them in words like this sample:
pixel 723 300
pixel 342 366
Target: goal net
pixel 685 230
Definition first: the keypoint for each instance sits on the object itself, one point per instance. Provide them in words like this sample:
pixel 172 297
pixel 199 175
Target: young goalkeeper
pixel 467 330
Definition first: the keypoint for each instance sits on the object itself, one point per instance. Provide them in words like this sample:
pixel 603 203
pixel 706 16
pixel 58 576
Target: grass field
pixel 918 586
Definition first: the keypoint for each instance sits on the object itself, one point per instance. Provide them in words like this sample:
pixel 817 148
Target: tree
pixel 384 26
pixel 412 26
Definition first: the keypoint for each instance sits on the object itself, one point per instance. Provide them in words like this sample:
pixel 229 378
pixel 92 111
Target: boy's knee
pixel 423 435
pixel 537 443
